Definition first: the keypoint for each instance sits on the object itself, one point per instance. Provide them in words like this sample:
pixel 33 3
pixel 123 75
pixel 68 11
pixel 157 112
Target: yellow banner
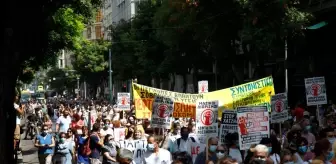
pixel 253 93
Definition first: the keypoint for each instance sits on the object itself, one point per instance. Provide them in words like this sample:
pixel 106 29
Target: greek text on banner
pixel 254 93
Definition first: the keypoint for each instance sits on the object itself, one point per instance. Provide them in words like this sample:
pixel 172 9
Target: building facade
pixel 64 59
pixel 94 31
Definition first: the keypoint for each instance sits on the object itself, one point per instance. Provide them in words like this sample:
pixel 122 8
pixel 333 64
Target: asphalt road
pixel 29 152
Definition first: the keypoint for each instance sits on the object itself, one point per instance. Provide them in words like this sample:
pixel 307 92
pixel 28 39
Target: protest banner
pixel 316 93
pixel 253 125
pixel 119 134
pixel 228 124
pixel 138 147
pixel 124 100
pixel 195 149
pixel 203 86
pixel 279 108
pixel 250 94
pixel 206 118
pixel 162 109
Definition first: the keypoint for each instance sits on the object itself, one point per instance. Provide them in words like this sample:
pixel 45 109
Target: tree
pixel 60 80
pixel 90 61
pixel 51 26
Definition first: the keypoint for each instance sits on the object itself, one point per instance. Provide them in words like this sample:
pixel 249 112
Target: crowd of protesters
pixel 82 132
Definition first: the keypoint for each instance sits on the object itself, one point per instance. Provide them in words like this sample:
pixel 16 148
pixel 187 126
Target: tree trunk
pixel 172 84
pixel 185 83
pixel 9 66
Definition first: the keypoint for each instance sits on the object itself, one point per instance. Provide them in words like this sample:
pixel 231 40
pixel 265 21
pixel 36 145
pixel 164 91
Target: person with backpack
pixel 81 140
pixel 95 144
pixel 183 144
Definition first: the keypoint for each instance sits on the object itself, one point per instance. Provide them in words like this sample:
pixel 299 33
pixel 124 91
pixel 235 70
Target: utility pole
pixel 84 88
pixel 286 65
pixel 110 75
pixel 77 86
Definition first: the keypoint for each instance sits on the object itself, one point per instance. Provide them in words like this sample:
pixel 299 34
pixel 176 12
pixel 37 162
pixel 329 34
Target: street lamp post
pixel 110 75
pixel 77 86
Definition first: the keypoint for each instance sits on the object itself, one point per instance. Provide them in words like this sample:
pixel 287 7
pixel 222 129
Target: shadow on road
pixel 29 152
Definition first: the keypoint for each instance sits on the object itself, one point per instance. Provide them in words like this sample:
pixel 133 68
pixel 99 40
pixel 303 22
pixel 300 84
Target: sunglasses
pixel 69 131
pixel 220 151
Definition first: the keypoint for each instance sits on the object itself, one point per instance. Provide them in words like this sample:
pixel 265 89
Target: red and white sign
pixel 195 149
pixel 162 110
pixel 253 125
pixel 206 118
pixel 119 134
pixel 124 100
pixel 203 86
pixel 316 91
pixel 279 108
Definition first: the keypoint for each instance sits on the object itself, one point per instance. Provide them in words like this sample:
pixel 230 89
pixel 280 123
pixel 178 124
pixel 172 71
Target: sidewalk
pixel 29 152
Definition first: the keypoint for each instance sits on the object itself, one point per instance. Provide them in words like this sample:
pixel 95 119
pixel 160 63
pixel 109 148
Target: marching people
pixel 128 140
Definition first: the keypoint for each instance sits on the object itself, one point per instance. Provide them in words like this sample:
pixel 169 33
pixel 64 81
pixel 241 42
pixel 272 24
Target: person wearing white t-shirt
pixel 63 122
pixel 154 154
pixel 19 111
pixel 106 129
pixel 184 143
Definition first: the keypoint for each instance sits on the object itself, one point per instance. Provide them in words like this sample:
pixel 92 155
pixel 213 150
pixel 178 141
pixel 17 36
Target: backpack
pixel 86 150
pixel 179 141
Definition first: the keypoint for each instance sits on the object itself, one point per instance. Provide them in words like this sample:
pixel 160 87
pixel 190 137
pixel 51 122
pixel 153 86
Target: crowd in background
pixel 82 132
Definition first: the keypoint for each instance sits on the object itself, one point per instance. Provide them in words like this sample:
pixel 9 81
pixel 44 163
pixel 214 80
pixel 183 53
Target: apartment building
pixel 64 59
pixel 94 31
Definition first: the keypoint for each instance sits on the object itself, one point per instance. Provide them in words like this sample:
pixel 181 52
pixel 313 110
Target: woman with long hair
pixel 109 150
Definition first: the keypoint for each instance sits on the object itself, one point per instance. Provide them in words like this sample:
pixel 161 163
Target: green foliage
pixel 60 80
pixel 173 36
pixel 27 75
pixel 54 26
pixel 90 58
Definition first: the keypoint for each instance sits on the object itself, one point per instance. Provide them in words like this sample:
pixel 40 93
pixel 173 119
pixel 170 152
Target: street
pixel 29 152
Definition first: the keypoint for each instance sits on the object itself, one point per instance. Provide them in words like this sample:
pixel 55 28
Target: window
pixel 88 31
pixel 98 32
pixel 99 16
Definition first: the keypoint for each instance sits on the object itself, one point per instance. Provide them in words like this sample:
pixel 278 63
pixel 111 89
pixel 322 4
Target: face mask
pixel 269 150
pixel 44 133
pixel 307 128
pixel 311 147
pixel 212 148
pixel 150 147
pixel 260 160
pixel 331 140
pixel 62 140
pixel 184 136
pixel 303 149
pixel 291 162
pixel 329 156
pixel 220 155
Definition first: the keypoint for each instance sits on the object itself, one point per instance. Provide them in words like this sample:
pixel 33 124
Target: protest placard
pixel 316 91
pixel 119 134
pixel 124 100
pixel 253 125
pixel 279 108
pixel 162 110
pixel 228 124
pixel 206 118
pixel 196 149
